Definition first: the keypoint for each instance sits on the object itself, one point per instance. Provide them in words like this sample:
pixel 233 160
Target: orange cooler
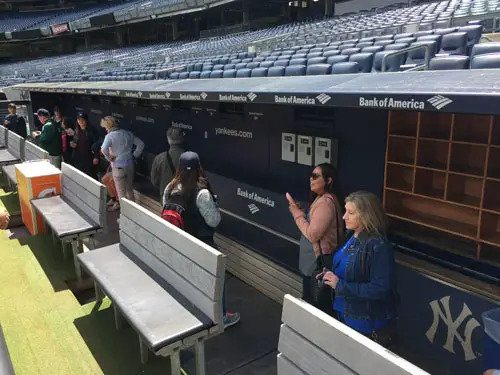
pixel 36 179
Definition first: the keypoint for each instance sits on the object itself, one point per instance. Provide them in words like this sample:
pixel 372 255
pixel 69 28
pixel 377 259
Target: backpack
pixel 174 210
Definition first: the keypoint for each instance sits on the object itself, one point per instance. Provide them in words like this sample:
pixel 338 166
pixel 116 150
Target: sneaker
pixel 230 319
pixel 110 202
pixel 114 207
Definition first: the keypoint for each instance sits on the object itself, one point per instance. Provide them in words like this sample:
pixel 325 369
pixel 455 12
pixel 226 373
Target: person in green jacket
pixel 50 137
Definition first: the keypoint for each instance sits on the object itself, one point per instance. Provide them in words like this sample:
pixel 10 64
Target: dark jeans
pixel 325 306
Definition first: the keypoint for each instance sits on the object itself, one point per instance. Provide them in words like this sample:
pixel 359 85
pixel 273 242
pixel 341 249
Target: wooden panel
pixel 194 249
pixel 3 136
pixel 93 201
pixel 15 144
pixel 81 206
pixel 342 342
pixel 81 179
pixel 170 257
pixel 285 367
pixel 34 152
pixel 212 309
pixel 307 356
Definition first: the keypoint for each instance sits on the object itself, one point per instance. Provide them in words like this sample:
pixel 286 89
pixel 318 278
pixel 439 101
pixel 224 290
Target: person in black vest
pixel 201 215
pixel 84 138
pixel 14 122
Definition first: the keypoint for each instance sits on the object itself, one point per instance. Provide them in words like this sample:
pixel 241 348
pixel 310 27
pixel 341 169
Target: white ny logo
pixel 444 314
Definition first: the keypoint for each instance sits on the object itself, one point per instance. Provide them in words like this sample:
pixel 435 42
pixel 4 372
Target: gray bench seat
pixel 5 362
pixel 31 152
pixel 7 158
pixel 62 217
pixel 10 172
pixel 165 320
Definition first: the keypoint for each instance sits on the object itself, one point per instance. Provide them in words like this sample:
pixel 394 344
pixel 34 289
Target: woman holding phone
pixel 322 227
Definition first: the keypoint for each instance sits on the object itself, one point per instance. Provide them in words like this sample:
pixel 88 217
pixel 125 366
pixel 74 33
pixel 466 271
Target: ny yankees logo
pixel 442 312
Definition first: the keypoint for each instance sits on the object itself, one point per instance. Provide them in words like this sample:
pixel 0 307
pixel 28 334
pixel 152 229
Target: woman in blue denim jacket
pixel 363 273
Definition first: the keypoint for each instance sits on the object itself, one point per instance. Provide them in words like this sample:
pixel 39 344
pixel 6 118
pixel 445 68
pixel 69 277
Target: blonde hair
pixel 370 211
pixel 109 122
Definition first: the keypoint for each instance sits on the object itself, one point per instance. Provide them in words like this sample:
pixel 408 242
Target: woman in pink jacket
pixel 322 227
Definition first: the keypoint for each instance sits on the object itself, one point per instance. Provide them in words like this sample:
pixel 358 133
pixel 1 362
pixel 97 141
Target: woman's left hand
pixel 330 279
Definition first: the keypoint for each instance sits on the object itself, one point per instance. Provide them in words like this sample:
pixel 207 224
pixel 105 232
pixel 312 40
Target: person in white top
pixel 118 149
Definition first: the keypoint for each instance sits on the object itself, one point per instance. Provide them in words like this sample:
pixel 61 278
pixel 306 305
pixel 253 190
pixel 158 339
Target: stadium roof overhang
pixel 473 91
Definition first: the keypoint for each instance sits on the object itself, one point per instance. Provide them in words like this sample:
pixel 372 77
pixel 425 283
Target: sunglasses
pixel 315 176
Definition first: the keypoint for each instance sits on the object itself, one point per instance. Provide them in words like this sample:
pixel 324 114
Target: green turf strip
pixel 47 330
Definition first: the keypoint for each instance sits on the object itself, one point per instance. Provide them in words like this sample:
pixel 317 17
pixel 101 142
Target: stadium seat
pixel 373 49
pixel 229 73
pixel 454 44
pixel 281 63
pixel 384 37
pixel 312 55
pixel 345 68
pixel 266 64
pixel 346 46
pixel 253 65
pixel 259 72
pixel 229 66
pixel 474 33
pixel 174 75
pixel 486 61
pixel 295 70
pixel 383 42
pixel 251 54
pixel 435 38
pixel 449 63
pixel 362 45
pixel 271 58
pixel 364 60
pixel 403 36
pixel 418 34
pixel 446 31
pixel 207 68
pixel 418 56
pixel 194 75
pixel 216 74
pixel 302 61
pixel 258 59
pixel 235 61
pixel 242 55
pixel 316 60
pixel 276 71
pixel 396 46
pixel 224 61
pixel 331 53
pixel 318 69
pixel 284 58
pixel 481 49
pixel 240 66
pixel 247 60
pixel 393 62
pixel 330 48
pixel 184 75
pixel 408 40
pixel 367 40
pixel 316 49
pixel 299 56
pixel 337 59
pixel 350 51
pixel 242 73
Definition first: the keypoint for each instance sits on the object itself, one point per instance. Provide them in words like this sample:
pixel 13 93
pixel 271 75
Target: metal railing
pixel 423 66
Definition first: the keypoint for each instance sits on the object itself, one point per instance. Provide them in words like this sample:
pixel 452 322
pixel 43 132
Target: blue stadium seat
pixel 370 39
pixel 284 57
pixel 331 53
pixel 303 51
pixel 276 53
pixel 318 69
pixel 418 56
pixel 266 64
pixel 486 61
pixel 364 44
pixel 435 38
pixel 235 61
pixel 251 54
pixel 312 55
pixel 194 75
pixel 350 51
pixel 272 58
pixel 418 34
pixel 337 59
pixel 481 49
pixel 302 61
pixel 184 75
pixel 228 66
pixel 316 49
pixel 242 55
pixel 408 40
pixel 276 71
pixel 229 73
pixel 299 56
pixel 383 42
pixel 259 59
pixel 207 67
pixel 224 61
pixel 247 60
pixel 403 36
pixel 345 68
pixel 346 46
pixel 396 46
pixel 240 66
pixel 259 72
pixel 174 75
pixel 373 49
pixel 330 48
pixel 253 65
pixel 449 63
pixel 364 60
pixel 205 74
pixel 295 70
pixel 316 60
pixel 454 43
pixel 384 37
pixel 216 74
pixel 446 31
pixel 242 73
pixel 281 63
pixel 393 62
pixel 474 33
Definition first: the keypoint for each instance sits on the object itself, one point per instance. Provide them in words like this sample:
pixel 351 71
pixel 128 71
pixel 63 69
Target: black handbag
pixel 322 295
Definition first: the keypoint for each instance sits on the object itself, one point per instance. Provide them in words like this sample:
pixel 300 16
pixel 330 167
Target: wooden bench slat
pixel 287 367
pixel 3 136
pixel 208 306
pixel 342 342
pixel 194 249
pixel 160 318
pixel 173 259
pixel 81 178
pixel 82 206
pixel 33 152
pixel 307 356
pixel 15 144
pixel 10 172
pixel 93 202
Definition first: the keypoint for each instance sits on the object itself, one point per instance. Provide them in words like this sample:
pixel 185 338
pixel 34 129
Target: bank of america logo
pixel 439 101
pixel 323 98
pixel 203 95
pixel 252 96
pixel 253 208
pixel 167 95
